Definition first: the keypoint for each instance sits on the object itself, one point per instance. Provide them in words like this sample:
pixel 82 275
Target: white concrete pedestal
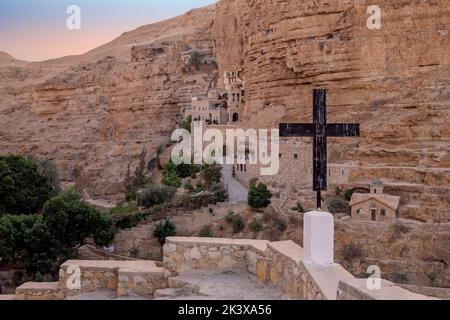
pixel 318 237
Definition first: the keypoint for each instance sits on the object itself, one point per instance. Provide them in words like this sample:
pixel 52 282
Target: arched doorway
pixel 235 117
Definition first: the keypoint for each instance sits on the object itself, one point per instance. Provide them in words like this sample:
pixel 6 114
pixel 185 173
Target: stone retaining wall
pixel 125 277
pixel 278 263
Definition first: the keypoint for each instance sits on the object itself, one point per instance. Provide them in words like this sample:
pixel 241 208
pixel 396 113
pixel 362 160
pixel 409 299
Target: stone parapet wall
pixel 39 291
pixel 187 254
pixel 278 263
pixel 356 289
pixel 124 277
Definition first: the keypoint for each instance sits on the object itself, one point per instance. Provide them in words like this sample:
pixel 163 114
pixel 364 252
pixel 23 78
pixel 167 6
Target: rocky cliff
pixel 393 81
pixel 93 114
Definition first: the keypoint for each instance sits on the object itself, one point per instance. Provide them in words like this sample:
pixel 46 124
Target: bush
pixel 238 224
pixel 352 251
pixel 220 194
pixel 229 216
pixel 298 208
pixel 195 60
pixel 205 232
pixel 48 169
pixel 123 208
pixel 23 189
pixel 348 194
pixel 164 230
pixel 189 187
pixel 280 224
pixel 255 225
pixel 259 196
pixel 211 174
pixel 338 205
pixel 186 124
pixel 400 277
pixel 170 176
pixel 155 195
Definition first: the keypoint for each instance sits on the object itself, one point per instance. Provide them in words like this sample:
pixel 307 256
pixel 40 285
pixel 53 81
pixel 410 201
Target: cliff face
pixel 92 114
pixel 393 81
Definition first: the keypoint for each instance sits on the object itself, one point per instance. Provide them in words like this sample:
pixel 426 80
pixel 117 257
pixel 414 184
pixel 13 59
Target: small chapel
pixel 376 205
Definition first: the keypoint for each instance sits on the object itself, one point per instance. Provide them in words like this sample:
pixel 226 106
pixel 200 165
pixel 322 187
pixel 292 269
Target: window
pixel 279 155
pixel 295 156
pixel 373 214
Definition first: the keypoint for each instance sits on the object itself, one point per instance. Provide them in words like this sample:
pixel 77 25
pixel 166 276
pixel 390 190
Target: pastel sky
pixel 35 30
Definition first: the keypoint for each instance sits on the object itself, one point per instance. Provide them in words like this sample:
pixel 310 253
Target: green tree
pixel 259 196
pixel 23 189
pixel 43 242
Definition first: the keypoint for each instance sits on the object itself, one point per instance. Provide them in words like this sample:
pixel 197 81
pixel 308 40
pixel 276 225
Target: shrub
pixel 211 174
pixel 155 195
pixel 220 194
pixel 186 124
pixel 164 230
pixel 23 189
pixel 123 208
pixel 205 232
pixel 195 60
pixel 383 212
pixel 259 196
pixel 280 224
pixel 338 205
pixel 170 176
pixel 348 195
pixel 338 192
pixel 189 187
pixel 133 182
pixel 238 224
pixel 255 225
pixel 400 277
pixel 229 216
pixel 432 276
pixel 352 251
pixel 298 208
pixel 48 169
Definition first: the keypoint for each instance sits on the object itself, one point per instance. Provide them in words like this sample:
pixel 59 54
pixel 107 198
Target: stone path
pixel 201 285
pixel 236 191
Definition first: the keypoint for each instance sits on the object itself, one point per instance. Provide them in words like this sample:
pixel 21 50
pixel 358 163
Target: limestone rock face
pixel 93 114
pixel 393 81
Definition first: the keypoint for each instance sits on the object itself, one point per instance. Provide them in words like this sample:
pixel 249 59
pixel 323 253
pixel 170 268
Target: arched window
pixel 235 117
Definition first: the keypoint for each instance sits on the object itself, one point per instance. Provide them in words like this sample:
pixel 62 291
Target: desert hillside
pixel 92 114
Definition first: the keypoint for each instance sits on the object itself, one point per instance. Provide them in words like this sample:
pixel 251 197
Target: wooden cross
pixel 319 130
